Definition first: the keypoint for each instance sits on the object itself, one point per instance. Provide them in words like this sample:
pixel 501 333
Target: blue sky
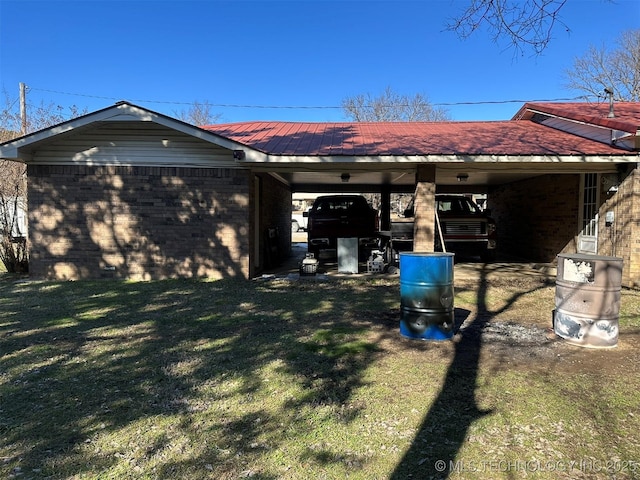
pixel 304 53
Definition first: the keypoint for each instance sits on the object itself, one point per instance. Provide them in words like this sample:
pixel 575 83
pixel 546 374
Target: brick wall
pixel 138 222
pixel 425 209
pixel 275 214
pixel 537 218
pixel 622 237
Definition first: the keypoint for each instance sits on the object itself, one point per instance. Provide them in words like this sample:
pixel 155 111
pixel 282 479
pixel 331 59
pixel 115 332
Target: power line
pixel 494 102
pixel 219 105
pixel 305 107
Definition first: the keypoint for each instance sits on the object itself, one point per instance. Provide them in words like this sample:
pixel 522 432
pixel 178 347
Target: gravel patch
pixel 510 333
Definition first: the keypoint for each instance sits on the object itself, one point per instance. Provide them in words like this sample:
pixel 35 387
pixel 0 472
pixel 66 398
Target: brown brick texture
pixel 622 237
pixel 275 216
pixel 537 218
pixel 138 222
pixel 425 209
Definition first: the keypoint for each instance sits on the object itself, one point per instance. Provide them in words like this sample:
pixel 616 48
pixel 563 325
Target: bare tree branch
pixel 13 186
pixel 199 114
pixel 39 116
pixel 13 177
pixel 392 107
pixel 524 24
pixel 618 69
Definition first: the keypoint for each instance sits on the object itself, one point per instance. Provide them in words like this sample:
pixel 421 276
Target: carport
pixel 550 174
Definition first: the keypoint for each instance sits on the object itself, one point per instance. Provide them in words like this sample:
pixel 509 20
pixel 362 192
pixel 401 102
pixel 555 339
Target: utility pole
pixel 23 108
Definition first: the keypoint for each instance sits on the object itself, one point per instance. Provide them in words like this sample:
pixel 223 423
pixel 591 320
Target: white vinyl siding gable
pixel 132 143
pixel 592 132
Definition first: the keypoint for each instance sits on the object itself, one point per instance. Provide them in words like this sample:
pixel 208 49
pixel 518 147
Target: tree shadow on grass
pixel 184 379
pixel 444 429
pixel 101 374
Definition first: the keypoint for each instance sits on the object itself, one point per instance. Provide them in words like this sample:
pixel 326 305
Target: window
pixel 588 238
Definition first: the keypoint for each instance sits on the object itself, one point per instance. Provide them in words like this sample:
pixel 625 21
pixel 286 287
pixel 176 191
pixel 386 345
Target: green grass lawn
pixel 297 380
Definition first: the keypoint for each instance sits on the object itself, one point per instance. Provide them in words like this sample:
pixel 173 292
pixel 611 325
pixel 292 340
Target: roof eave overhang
pixel 259 158
pixel 20 148
pixel 609 123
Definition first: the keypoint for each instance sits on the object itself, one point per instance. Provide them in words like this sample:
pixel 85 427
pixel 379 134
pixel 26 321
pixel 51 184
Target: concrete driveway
pixel 503 268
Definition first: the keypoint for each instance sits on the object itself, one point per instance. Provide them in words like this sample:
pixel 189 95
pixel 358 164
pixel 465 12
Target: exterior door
pixel 588 236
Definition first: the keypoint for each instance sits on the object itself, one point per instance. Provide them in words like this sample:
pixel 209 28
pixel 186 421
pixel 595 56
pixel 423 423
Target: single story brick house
pixel 129 193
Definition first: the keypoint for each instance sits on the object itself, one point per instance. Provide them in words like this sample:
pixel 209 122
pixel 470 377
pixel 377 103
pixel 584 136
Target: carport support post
pixel 385 207
pixel 424 209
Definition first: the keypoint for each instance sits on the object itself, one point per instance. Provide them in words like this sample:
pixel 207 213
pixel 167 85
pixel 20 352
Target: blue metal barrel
pixel 426 295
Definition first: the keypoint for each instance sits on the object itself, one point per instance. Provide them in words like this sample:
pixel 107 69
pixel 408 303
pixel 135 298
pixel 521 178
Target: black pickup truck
pixel 342 216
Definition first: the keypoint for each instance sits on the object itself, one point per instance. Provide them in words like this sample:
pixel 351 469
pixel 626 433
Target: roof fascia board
pixel 122 111
pixel 616 134
pixel 142 114
pixel 614 124
pixel 98 116
pixel 431 158
pixel 532 168
pixel 569 119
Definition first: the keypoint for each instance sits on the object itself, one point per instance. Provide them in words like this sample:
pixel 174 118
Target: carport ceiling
pixel 403 179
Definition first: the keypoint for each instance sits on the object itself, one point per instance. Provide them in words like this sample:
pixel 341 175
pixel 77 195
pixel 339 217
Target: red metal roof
pixel 626 115
pixel 512 137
